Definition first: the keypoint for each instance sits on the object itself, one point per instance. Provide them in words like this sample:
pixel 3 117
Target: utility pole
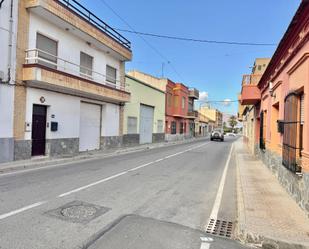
pixel 162 70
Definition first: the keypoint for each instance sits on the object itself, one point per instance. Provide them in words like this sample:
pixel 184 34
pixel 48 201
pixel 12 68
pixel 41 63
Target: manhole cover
pixel 78 211
pixel 220 227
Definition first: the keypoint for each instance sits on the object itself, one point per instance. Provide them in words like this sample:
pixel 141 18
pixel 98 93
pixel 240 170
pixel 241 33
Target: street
pixel 159 198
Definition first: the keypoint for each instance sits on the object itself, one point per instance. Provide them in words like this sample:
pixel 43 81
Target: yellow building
pixel 212 114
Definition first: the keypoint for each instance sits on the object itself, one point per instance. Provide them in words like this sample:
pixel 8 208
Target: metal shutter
pixel 132 125
pixel 47 50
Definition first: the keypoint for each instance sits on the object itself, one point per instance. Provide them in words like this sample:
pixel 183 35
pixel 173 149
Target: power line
pixel 216 101
pixel 140 35
pixel 196 40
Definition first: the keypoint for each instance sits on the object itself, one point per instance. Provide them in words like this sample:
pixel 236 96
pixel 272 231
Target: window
pixel 47 51
pixel 132 125
pixel 183 102
pixel 86 62
pixel 176 101
pixel 111 74
pixel 160 126
pixel 173 127
pixel 259 67
pixel 181 128
pixel 169 99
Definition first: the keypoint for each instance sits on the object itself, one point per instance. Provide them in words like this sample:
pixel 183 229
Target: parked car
pixel 217 135
pixel 231 134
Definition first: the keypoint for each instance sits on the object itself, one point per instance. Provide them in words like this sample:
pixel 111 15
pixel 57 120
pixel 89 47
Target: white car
pixel 217 135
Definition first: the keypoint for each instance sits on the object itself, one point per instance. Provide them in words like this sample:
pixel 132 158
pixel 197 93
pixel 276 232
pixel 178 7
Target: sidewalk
pixel 267 215
pixel 38 162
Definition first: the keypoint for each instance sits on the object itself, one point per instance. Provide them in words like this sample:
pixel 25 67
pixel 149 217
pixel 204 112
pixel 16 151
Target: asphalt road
pixel 159 198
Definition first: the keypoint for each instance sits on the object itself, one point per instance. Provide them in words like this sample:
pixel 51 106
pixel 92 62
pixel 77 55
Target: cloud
pixel 227 102
pixel 203 96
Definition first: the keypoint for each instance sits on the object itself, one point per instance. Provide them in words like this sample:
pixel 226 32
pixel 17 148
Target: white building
pixel 70 72
pixel 8 29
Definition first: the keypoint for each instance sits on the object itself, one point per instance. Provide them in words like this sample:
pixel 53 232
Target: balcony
pixel 194 93
pixel 250 95
pixel 63 76
pixel 75 18
pixel 192 114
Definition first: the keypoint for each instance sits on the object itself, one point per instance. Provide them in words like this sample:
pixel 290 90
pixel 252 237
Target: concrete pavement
pixel 266 213
pixel 71 206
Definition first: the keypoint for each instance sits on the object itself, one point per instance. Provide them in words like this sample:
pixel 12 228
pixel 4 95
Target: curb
pixel 46 162
pixel 251 238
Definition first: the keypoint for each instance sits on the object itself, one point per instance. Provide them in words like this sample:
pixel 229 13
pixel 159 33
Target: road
pixel 159 198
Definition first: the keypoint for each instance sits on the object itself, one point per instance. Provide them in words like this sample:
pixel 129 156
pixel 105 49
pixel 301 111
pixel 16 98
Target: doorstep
pixel 267 215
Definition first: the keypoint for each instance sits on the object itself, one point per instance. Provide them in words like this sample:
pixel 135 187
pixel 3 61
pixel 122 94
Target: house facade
pixel 8 29
pixel 249 97
pixel 144 115
pixel 70 80
pixel 281 110
pixel 201 125
pixel 212 114
pixel 177 125
pixel 179 105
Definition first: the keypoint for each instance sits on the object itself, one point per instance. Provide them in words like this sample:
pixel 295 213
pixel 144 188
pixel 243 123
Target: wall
pixel 141 93
pixel 7 91
pixel 67 41
pixel 65 110
pixel 159 83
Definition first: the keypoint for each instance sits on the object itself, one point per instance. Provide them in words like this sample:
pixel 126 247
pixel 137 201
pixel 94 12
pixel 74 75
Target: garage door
pixel 89 129
pixel 146 124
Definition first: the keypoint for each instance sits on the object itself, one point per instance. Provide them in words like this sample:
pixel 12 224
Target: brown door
pixel 38 130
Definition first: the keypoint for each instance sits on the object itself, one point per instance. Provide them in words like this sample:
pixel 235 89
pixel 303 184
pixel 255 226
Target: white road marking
pixel 217 203
pixel 125 172
pixel 206 242
pixel 3 216
pixel 93 184
pixel 6 215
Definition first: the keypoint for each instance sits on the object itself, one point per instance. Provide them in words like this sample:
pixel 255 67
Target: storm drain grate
pixel 220 228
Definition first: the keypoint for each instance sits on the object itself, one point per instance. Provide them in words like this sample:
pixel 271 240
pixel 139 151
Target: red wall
pixel 176 113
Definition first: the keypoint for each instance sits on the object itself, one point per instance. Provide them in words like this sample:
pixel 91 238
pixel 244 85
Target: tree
pixel 233 121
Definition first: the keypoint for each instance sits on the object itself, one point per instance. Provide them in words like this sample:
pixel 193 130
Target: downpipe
pixel 10 45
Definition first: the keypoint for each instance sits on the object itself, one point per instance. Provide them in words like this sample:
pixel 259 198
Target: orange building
pixel 281 111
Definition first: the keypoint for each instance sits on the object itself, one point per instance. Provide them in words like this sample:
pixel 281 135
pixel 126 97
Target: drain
pixel 220 228
pixel 78 212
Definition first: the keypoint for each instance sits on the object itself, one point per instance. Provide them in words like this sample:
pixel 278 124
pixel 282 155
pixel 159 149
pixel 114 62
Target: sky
pixel 214 69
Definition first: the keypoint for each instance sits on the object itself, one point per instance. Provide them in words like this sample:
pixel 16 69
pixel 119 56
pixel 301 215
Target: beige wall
pixel 151 80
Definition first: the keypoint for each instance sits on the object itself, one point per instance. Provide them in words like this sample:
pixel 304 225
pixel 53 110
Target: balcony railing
pixel 251 79
pixel 193 114
pixel 194 93
pixel 37 56
pixel 96 21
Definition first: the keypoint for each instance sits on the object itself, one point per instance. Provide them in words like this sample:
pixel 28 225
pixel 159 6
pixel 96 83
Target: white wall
pixel 7 92
pixel 4 36
pixel 110 120
pixel 6 110
pixel 70 46
pixel 66 109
